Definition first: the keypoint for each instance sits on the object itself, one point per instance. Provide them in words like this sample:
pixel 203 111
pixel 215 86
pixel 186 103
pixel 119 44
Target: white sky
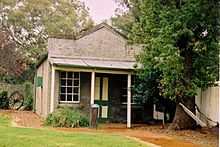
pixel 100 10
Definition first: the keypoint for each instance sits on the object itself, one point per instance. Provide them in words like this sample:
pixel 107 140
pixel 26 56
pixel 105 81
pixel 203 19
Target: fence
pixel 208 103
pixel 12 88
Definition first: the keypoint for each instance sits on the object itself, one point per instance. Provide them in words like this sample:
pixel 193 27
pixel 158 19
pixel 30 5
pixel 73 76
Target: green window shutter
pixel 39 81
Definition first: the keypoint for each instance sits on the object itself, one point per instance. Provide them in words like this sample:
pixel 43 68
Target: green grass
pixel 21 137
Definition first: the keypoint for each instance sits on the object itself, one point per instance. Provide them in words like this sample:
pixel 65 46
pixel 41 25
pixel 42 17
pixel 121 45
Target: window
pixel 69 87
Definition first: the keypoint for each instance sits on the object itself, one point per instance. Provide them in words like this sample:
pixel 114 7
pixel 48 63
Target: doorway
pixel 102 98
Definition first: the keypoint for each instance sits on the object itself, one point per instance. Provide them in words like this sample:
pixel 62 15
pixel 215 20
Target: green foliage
pixel 28 96
pixel 124 20
pixel 147 86
pixel 26 76
pixel 66 117
pixel 31 22
pixel 181 42
pixel 4 101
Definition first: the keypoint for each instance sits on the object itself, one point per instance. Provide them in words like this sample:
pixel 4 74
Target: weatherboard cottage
pixel 97 67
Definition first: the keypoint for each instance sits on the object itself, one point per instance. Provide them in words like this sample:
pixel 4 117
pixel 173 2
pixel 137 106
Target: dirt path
pixel 29 119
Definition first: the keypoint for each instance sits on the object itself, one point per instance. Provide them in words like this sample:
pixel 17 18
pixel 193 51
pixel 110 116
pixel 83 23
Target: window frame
pixel 66 86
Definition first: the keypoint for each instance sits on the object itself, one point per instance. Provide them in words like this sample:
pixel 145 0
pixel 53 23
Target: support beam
pixel 202 124
pixel 52 90
pixel 92 87
pixel 129 102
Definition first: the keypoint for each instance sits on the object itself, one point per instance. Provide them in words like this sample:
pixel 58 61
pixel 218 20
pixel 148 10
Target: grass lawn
pixel 21 137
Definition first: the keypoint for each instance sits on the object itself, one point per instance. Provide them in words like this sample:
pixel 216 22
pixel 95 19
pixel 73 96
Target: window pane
pixel 69 86
pixel 69 89
pixel 76 90
pixel 63 83
pixel 70 75
pixel 69 82
pixel 124 84
pixel 76 74
pixel 76 82
pixel 63 74
pixel 124 92
pixel 75 97
pixel 69 97
pixel 62 97
pixel 63 89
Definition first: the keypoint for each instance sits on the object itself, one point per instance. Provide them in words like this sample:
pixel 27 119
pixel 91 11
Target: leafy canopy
pixel 31 22
pixel 127 14
pixel 180 40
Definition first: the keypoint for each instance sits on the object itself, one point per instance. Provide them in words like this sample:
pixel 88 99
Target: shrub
pixel 4 101
pixel 66 117
pixel 28 96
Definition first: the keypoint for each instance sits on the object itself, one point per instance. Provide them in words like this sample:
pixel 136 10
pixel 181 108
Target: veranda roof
pixel 92 63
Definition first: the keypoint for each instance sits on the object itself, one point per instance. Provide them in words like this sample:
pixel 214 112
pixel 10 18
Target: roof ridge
pixel 98 27
pixel 93 29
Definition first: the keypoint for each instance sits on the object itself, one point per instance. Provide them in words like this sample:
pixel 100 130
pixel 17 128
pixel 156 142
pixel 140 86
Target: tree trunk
pixel 181 119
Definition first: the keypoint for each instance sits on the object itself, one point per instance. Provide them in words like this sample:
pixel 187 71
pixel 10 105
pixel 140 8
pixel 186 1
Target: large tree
pixel 30 22
pixel 180 40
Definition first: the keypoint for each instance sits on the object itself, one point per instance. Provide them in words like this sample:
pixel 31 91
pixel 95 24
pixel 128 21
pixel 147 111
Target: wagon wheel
pixel 16 100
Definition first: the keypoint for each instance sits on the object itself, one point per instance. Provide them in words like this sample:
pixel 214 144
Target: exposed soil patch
pixel 199 136
pixel 24 118
pixel 157 135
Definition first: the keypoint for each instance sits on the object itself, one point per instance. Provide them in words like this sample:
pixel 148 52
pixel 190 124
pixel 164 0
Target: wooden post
pixel 193 115
pixel 52 90
pixel 94 107
pixel 129 102
pixel 92 87
pixel 94 116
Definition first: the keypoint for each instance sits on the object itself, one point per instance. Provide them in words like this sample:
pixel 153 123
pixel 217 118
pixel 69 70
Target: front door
pixel 101 98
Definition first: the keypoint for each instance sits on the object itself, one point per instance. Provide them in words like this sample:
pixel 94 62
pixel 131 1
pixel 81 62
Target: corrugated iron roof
pixel 93 63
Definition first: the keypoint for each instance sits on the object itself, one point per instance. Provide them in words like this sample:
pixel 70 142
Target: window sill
pixel 65 102
pixel 62 104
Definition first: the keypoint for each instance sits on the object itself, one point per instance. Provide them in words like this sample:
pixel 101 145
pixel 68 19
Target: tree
pixel 126 15
pixel 29 23
pixel 181 41
pixel 9 57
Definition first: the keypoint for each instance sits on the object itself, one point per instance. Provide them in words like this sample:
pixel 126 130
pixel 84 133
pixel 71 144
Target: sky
pixel 100 10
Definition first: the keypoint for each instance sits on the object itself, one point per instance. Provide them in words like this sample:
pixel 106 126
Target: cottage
pixel 95 68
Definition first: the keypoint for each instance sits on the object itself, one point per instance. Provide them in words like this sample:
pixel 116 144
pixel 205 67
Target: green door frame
pixel 101 102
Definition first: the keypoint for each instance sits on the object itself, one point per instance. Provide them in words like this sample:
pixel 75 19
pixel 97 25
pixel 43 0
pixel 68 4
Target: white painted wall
pixel 208 103
pixel 43 93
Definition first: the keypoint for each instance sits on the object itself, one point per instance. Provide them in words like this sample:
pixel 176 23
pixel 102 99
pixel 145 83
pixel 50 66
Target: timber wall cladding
pixel 43 92
pixel 208 103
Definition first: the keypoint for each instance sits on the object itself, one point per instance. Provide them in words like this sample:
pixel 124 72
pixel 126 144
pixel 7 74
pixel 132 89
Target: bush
pixel 28 96
pixel 4 101
pixel 66 117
